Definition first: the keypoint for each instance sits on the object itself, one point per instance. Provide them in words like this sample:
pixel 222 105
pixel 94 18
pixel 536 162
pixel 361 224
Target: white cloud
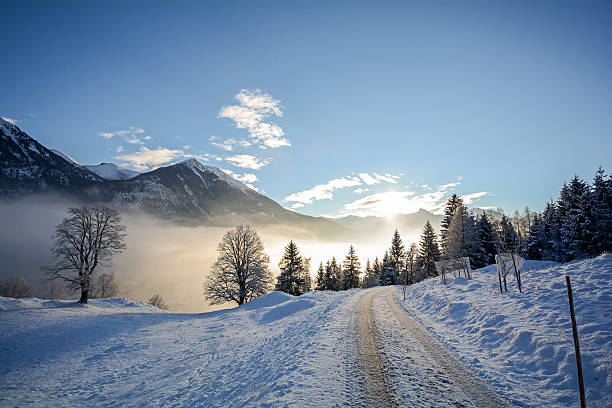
pixel 297 205
pixel 445 187
pixel 203 156
pixel 361 190
pixel 470 198
pixel 119 149
pixel 9 120
pixel 247 161
pixel 130 135
pixel 404 202
pixel 245 178
pixel 323 191
pixel 377 178
pixel 254 108
pixel 146 159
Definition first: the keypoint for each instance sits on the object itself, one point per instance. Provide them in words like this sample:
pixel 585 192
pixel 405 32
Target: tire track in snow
pixel 372 361
pixel 468 381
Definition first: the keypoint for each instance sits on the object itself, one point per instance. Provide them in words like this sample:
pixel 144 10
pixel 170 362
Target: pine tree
pixel 429 253
pixel 291 278
pixel 462 238
pixel 451 206
pixel 488 242
pixel 335 271
pixel 370 278
pixel 535 240
pixel 410 262
pixel 508 238
pixel 601 198
pixel 576 228
pixel 387 274
pixel 320 281
pixel 351 270
pixel 396 255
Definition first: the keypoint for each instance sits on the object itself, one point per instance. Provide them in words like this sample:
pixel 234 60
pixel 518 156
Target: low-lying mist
pixel 161 257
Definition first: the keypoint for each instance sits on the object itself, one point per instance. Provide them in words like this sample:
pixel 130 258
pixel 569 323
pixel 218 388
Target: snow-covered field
pixel 284 351
pixel 274 351
pixel 522 342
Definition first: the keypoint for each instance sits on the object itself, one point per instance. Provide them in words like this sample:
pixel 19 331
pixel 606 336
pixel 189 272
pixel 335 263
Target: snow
pixel 110 171
pixel 198 167
pixel 522 342
pixel 280 350
pixel 65 157
pixel 276 351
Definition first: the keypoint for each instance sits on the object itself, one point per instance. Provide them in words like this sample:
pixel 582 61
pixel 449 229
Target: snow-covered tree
pixel 351 270
pixel 335 275
pixel 508 238
pixel 320 280
pixel 16 287
pixel 429 252
pixel 388 274
pixel 601 210
pixel 462 237
pixel 104 286
pixel 87 238
pixel 488 240
pixel 410 265
pixel 396 253
pixel 294 276
pixel 371 276
pixel 240 273
pixel 449 211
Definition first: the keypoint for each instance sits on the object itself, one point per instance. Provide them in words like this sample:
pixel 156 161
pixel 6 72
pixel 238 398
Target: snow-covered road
pixel 404 365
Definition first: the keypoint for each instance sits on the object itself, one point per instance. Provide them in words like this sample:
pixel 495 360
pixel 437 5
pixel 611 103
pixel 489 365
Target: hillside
pixel 522 342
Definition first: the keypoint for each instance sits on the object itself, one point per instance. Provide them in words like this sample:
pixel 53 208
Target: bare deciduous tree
pixel 241 272
pixel 158 301
pixel 104 287
pixel 88 237
pixel 16 287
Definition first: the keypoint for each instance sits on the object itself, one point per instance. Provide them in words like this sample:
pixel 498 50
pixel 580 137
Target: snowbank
pixel 523 342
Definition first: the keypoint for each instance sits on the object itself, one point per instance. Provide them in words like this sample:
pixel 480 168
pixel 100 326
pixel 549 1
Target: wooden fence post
pixel 576 343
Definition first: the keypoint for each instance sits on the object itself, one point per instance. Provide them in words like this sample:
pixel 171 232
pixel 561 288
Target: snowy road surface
pixel 321 349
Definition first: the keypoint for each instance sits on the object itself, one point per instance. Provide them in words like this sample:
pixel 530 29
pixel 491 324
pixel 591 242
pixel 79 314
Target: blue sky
pixel 332 108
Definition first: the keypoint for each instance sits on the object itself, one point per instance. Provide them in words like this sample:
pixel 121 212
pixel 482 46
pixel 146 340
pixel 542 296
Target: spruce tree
pixel 576 228
pixel 396 255
pixel 489 242
pixel 601 198
pixel 320 281
pixel 507 235
pixel 370 278
pixel 387 273
pixel 429 252
pixel 410 264
pixel 462 237
pixel 351 270
pixel 451 206
pixel 335 271
pixel 292 278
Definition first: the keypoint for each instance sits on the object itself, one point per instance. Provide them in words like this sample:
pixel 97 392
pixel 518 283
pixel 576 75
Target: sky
pixel 330 108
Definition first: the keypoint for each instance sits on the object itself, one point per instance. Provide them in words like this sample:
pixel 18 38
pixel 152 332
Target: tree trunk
pixel 84 295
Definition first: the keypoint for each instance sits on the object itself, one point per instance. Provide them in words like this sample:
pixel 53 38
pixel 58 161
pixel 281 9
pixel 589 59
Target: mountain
pixel 187 192
pixel 107 171
pixel 110 171
pixel 383 226
pixel 26 166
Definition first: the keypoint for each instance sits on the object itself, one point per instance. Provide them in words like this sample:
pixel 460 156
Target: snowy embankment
pixel 275 351
pixel 522 342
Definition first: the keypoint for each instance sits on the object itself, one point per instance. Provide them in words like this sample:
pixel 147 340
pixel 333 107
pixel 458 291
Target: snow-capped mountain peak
pixel 195 165
pixel 110 171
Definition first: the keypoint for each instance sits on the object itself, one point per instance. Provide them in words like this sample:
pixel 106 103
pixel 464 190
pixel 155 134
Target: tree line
pixel 577 225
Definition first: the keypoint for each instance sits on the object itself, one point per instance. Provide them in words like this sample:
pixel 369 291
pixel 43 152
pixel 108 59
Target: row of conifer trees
pixel 577 225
